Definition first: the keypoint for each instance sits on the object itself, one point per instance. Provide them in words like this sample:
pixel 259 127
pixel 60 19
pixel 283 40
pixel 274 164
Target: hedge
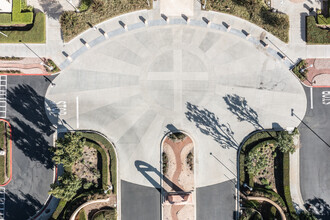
pixel 37 34
pixel 113 160
pixel 5 19
pixel 82 215
pixel 105 168
pixel 323 20
pixel 314 34
pixel 19 17
pixel 59 209
pixel 286 185
pixel 270 194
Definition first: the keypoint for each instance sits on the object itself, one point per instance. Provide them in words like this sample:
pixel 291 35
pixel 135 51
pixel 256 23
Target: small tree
pixel 285 142
pixel 66 187
pixel 69 149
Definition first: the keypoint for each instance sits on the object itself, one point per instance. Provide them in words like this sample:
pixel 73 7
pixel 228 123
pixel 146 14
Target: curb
pixel 10 152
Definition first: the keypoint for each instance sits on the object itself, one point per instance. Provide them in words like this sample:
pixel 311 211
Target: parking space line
pixel 311 94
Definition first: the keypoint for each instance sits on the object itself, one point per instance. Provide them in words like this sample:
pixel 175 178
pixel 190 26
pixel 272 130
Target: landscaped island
pixel 5 153
pixel 89 163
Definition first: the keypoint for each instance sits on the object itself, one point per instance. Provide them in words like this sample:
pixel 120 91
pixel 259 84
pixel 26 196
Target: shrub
pixel 19 17
pixel 176 136
pixel 314 34
pixel 296 70
pixel 84 5
pixel 5 18
pixel 321 20
pixel 59 209
pixel 286 185
pixel 190 160
pixel 285 142
pixel 165 162
pixel 257 12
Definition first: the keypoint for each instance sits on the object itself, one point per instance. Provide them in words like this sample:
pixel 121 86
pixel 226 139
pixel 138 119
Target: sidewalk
pixel 297 200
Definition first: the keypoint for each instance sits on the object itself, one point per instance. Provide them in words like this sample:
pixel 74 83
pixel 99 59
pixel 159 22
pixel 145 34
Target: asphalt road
pixel 315 152
pixel 32 135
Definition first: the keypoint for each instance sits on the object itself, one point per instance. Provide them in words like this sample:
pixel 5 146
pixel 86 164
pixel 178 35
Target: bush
pixel 82 215
pixel 59 209
pixel 165 162
pixel 257 12
pixel 84 5
pixel 296 70
pixel 19 17
pixel 109 214
pixel 5 19
pixel 270 195
pixel 285 142
pixel 314 34
pixel 176 136
pixel 190 160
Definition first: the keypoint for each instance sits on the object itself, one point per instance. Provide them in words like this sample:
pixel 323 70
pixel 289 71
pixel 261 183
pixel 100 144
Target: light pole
pixel 109 188
pixel 77 10
pixel 303 69
pixel 42 61
pixel 3 34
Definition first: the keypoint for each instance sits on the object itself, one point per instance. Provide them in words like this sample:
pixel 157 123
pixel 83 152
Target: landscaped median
pixel 5 153
pixel 257 12
pixel 94 12
pixel 316 34
pixel 264 166
pixel 90 166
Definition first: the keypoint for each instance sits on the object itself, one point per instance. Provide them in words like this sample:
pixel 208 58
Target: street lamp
pixel 77 10
pixel 109 188
pixel 3 34
pixel 42 61
pixel 247 186
pixel 303 69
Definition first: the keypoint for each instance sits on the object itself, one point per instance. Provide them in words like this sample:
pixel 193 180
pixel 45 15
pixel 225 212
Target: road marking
pixel 77 111
pixel 3 96
pixel 311 91
pixel 326 97
pixel 2 202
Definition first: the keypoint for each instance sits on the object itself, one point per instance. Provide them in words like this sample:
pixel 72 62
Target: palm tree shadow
pixel 239 107
pixel 208 123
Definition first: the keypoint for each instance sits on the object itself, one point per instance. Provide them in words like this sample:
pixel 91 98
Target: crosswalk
pixel 2 203
pixel 3 95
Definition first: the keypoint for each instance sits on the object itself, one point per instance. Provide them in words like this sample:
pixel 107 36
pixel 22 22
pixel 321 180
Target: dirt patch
pixel 86 168
pixel 186 178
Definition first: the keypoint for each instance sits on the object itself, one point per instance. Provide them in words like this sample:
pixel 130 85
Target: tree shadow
pixel 208 123
pixel 25 100
pixel 319 208
pixel 52 8
pixel 20 207
pixel 239 107
pixel 31 129
pixel 146 168
pixel 31 143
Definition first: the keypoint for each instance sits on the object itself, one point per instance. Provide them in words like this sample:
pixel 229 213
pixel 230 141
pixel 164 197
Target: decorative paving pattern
pixel 214 85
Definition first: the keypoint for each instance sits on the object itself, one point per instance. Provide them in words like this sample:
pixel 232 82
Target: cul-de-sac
pixel 164 109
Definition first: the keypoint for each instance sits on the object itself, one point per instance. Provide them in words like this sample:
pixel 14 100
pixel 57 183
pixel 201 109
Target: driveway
pixel 315 153
pixel 215 86
pixel 32 135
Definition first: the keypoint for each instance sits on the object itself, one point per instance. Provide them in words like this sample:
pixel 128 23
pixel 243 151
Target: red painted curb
pixel 11 153
pixel 24 74
pixel 321 86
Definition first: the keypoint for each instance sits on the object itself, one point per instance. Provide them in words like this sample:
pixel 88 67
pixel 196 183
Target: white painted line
pixel 311 94
pixel 77 111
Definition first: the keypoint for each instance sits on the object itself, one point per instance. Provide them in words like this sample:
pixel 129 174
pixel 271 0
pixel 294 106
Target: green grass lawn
pixel 2 170
pixel 314 34
pixel 37 34
pixel 255 11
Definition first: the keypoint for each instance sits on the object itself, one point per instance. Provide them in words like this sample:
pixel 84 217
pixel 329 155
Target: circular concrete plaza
pixel 213 85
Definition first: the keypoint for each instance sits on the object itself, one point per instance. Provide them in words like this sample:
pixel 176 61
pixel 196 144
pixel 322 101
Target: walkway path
pixel 263 199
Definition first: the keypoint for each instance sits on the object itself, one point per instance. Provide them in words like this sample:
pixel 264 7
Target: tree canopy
pixel 66 187
pixel 68 149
